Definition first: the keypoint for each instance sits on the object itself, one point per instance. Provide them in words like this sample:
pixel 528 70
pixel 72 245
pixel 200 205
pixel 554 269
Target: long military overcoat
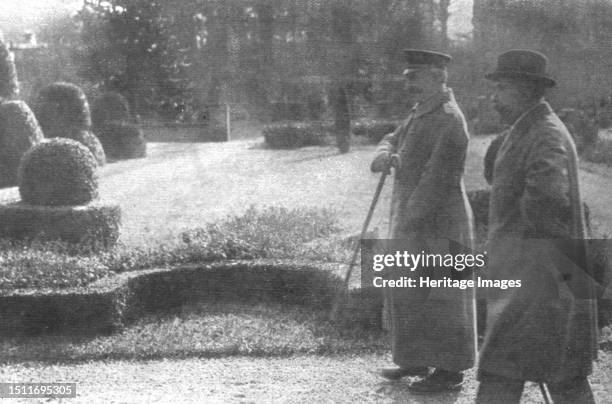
pixel 546 329
pixel 431 327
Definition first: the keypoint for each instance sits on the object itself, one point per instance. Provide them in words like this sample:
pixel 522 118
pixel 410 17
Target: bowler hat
pixel 522 64
pixel 421 59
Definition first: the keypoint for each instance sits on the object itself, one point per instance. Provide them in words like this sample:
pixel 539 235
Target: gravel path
pixel 303 379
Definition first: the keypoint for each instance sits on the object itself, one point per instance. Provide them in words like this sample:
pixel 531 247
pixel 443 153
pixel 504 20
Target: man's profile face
pixel 418 84
pixel 508 100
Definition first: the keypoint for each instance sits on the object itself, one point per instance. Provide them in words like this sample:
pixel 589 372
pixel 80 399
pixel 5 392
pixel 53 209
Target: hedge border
pixel 96 223
pixel 110 304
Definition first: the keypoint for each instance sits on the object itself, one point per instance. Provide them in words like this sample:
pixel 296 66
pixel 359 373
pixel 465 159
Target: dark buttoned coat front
pixel 431 327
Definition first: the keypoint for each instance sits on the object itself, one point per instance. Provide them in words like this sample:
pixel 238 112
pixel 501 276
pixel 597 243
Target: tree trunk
pixel 342 124
pixel 265 15
pixel 343 35
pixel 218 54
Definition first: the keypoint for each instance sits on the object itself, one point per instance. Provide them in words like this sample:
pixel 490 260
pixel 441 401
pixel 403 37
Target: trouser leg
pixel 575 391
pixel 495 389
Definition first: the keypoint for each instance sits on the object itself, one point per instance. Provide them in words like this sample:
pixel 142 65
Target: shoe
pixel 439 381
pixel 397 372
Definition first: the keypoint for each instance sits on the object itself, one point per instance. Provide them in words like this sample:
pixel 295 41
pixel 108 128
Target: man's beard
pixel 506 114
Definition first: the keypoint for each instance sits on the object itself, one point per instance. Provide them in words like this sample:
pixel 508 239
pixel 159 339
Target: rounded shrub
pixel 58 172
pixel 110 106
pixel 9 86
pixel 61 107
pixel 19 131
pixel 122 140
pixel 91 141
pixel 95 224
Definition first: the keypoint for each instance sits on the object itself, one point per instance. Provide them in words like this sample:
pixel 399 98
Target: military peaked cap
pixel 421 59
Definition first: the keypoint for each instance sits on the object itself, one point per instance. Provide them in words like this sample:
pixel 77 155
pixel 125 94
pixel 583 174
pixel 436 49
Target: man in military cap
pixel 544 331
pixel 432 332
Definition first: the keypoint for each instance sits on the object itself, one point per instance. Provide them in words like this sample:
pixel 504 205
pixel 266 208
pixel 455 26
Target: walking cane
pixel 544 394
pixel 347 276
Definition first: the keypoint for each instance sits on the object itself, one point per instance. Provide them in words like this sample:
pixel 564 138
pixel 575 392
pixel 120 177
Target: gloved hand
pixel 384 161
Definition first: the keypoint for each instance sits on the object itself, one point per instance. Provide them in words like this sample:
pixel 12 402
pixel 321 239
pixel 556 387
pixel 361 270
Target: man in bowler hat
pixel 431 330
pixel 545 331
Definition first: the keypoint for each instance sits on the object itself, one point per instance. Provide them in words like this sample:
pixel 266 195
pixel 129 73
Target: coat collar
pixel 433 102
pixel 529 117
pixel 522 125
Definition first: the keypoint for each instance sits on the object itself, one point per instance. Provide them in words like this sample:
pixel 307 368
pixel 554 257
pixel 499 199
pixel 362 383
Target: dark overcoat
pixel 546 329
pixel 431 327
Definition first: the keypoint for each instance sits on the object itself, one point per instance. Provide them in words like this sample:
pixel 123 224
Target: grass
pixel 300 233
pixel 46 265
pixel 213 329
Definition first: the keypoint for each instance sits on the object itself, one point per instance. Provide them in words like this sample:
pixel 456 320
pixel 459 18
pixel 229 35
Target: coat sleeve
pixel 389 143
pixel 443 170
pixel 545 204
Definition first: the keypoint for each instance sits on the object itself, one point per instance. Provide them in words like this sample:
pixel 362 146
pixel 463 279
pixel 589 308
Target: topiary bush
pixel 122 140
pixel 95 224
pixel 63 111
pixel 60 107
pixel 110 106
pixel 19 131
pixel 9 86
pixel 600 152
pixel 91 141
pixel 583 129
pixel 373 129
pixel 112 122
pixel 58 172
pixel 294 134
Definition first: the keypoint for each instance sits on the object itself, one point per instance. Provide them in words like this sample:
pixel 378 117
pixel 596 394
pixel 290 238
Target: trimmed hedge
pixel 19 131
pixel 91 141
pixel 599 153
pixel 110 106
pixel 61 107
pixel 373 129
pixel 109 304
pixel 63 112
pixel 294 134
pixel 122 140
pixel 95 224
pixel 9 86
pixel 583 129
pixel 58 172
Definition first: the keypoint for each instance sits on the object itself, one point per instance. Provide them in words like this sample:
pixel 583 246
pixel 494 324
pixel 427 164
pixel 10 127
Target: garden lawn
pixel 181 186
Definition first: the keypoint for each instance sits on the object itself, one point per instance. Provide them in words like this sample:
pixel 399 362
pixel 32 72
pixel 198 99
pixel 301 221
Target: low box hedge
pixel 96 223
pixel 374 129
pixel 111 303
pixel 295 134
